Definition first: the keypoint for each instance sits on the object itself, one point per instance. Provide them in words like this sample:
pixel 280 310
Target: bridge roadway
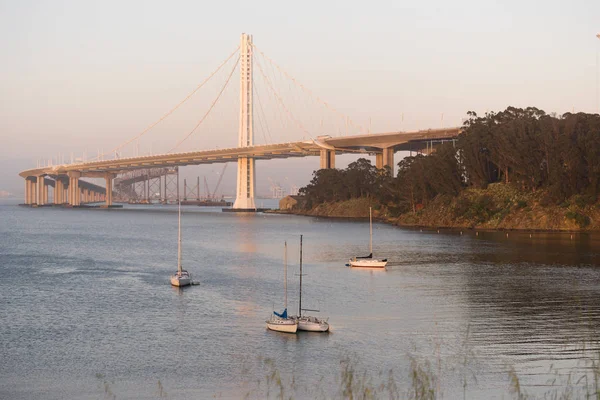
pixel 382 145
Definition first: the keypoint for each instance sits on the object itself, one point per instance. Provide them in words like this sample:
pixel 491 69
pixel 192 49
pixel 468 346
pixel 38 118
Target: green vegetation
pixel 507 168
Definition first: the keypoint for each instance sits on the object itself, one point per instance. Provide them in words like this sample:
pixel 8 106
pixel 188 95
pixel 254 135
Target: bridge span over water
pixel 65 178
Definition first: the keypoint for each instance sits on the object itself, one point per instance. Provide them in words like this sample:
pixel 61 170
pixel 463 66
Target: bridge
pixel 70 190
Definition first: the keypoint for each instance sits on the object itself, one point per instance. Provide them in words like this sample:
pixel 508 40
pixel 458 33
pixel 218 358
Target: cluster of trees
pixel 360 179
pixel 523 147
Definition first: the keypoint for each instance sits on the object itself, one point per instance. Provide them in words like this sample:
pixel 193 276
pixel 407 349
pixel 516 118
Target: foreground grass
pixel 354 382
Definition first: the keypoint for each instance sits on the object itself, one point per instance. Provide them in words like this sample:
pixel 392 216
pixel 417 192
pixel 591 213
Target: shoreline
pixel 457 227
pixel 499 207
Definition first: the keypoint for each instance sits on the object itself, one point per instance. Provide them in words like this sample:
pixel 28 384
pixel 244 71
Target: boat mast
pixel 300 300
pixel 285 273
pixel 370 232
pixel 179 240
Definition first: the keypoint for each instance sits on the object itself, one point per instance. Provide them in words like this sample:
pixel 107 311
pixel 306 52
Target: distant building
pixel 291 202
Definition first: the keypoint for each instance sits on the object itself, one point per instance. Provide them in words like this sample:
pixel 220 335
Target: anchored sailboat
pixel 368 261
pixel 280 322
pixel 182 277
pixel 306 322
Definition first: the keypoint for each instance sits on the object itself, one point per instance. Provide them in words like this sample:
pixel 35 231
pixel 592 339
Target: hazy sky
pixel 82 76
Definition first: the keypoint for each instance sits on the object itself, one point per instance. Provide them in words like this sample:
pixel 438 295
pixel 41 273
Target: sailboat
pixel 369 261
pixel 306 322
pixel 280 322
pixel 181 277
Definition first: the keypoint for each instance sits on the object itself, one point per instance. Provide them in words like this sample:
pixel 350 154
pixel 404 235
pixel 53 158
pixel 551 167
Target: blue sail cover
pixel 282 315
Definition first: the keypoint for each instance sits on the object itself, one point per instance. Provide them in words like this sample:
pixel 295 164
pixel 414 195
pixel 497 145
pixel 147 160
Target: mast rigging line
pixel 210 108
pixel 310 93
pixel 281 101
pixel 173 109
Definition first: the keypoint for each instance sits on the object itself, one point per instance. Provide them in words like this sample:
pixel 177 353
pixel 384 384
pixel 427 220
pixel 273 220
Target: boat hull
pixel 180 281
pixel 287 326
pixel 313 326
pixel 368 263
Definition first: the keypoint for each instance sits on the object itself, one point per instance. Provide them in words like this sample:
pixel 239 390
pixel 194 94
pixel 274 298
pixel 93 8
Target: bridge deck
pixel 372 143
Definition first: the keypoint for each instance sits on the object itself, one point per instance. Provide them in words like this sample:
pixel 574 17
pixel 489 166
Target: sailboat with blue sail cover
pixel 279 321
pixel 306 322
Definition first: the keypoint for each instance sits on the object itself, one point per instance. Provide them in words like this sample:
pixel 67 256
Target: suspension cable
pixel 278 112
pixel 210 108
pixel 264 116
pixel 172 110
pixel 260 115
pixel 281 101
pixel 310 93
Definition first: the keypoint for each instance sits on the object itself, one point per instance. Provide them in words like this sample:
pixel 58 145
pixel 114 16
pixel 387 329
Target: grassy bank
pixel 499 207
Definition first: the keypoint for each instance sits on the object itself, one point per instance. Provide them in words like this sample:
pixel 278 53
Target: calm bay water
pixel 86 305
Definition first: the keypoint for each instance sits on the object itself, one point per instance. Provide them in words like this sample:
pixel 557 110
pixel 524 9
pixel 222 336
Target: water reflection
pixel 528 302
pixel 281 338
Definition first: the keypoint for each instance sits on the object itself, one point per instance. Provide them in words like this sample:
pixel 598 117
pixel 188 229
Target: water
pixel 86 307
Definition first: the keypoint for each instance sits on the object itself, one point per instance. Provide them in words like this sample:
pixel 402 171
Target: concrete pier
pixel 41 190
pixel 58 192
pixel 327 159
pixel 109 189
pixel 385 158
pixel 74 192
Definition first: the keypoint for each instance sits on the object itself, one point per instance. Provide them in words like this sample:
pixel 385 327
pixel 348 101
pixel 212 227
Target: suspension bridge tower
pixel 245 177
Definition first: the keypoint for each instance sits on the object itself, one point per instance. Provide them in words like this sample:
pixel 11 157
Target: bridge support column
pixel 388 158
pixel 63 192
pixel 29 191
pixel 245 184
pixel 327 159
pixel 41 190
pixel 245 177
pixel 33 186
pixel 64 199
pixel 58 191
pixel 27 194
pixel 385 159
pixel 74 192
pixel 109 189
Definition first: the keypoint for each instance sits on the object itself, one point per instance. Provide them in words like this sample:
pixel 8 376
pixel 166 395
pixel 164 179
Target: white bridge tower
pixel 245 176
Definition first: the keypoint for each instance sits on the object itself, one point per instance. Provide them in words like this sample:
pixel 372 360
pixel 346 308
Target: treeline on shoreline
pixel 554 159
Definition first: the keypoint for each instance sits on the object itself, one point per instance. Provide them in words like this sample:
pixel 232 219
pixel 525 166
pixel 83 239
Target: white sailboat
pixel 181 277
pixel 281 322
pixel 306 322
pixel 368 261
